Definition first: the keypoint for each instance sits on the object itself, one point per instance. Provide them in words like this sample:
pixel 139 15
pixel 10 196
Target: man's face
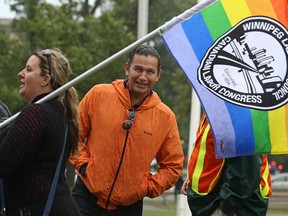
pixel 142 74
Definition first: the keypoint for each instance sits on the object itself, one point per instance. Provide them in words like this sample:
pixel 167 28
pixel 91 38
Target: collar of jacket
pixel 42 96
pixel 122 91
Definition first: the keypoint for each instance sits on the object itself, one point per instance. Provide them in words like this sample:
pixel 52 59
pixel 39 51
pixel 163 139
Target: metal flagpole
pixel 143 11
pixel 158 31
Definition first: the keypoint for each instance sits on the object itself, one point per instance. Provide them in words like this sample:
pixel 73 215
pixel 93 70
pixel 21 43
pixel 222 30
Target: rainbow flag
pixel 234 53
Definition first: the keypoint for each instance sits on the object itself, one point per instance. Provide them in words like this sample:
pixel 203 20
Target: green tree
pixel 11 51
pixel 86 41
pixel 88 38
pixel 89 32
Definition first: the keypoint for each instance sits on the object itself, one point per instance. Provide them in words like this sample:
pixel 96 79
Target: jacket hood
pixel 123 93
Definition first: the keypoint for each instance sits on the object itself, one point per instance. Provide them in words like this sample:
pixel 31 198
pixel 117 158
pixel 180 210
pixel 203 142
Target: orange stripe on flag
pixel 281 9
pixel 261 8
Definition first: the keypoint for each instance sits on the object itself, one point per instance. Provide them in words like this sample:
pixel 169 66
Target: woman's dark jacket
pixel 29 154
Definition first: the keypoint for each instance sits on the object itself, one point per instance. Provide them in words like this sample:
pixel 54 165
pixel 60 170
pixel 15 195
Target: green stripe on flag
pixel 218 24
pixel 261 131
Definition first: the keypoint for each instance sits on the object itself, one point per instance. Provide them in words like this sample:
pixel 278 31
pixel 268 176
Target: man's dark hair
pixel 144 50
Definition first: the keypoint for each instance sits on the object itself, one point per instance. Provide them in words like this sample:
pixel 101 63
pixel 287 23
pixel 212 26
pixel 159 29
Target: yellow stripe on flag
pixel 278 131
pixel 236 10
pixel 286 120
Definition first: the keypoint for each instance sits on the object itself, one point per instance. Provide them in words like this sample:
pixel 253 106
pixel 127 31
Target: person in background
pixel 238 186
pixel 4 112
pixel 31 148
pixel 123 127
pixel 178 187
pixel 4 115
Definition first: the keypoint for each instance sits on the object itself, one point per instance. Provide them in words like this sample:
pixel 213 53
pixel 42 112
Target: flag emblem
pixel 245 65
pixel 234 53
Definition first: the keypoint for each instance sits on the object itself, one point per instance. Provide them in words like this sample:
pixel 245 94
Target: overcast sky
pixel 5 9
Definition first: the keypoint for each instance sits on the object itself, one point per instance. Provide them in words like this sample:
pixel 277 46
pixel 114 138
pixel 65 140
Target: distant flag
pixel 234 53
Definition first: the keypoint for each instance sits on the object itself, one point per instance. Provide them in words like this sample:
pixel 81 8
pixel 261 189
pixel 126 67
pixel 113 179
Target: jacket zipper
pixel 118 170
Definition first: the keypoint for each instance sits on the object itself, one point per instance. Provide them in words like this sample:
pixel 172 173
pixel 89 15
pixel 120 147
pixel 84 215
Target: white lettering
pixel 285 43
pixel 281 92
pixel 240 97
pixel 265 27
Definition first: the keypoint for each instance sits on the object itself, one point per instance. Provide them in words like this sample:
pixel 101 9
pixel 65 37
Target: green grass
pixel 277 211
pixel 159 213
pixel 167 208
pixel 271 212
pixel 168 205
pixel 160 208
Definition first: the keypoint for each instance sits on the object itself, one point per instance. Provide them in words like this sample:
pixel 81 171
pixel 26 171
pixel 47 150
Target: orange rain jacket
pixel 154 133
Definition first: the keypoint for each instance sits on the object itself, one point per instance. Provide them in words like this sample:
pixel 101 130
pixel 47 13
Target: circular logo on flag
pixel 247 65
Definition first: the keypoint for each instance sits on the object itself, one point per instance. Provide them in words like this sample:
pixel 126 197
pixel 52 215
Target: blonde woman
pixel 31 149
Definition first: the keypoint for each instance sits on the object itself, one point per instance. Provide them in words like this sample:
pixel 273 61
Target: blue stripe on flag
pixel 222 127
pixel 178 44
pixel 198 35
pixel 180 47
pixel 243 127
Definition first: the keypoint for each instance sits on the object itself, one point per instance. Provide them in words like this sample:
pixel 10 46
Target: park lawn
pixel 159 213
pixel 167 209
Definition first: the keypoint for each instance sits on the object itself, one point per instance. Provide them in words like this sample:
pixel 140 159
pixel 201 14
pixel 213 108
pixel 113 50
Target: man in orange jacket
pixel 238 186
pixel 123 127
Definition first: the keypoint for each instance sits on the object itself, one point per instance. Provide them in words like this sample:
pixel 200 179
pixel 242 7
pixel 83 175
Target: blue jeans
pixel 87 204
